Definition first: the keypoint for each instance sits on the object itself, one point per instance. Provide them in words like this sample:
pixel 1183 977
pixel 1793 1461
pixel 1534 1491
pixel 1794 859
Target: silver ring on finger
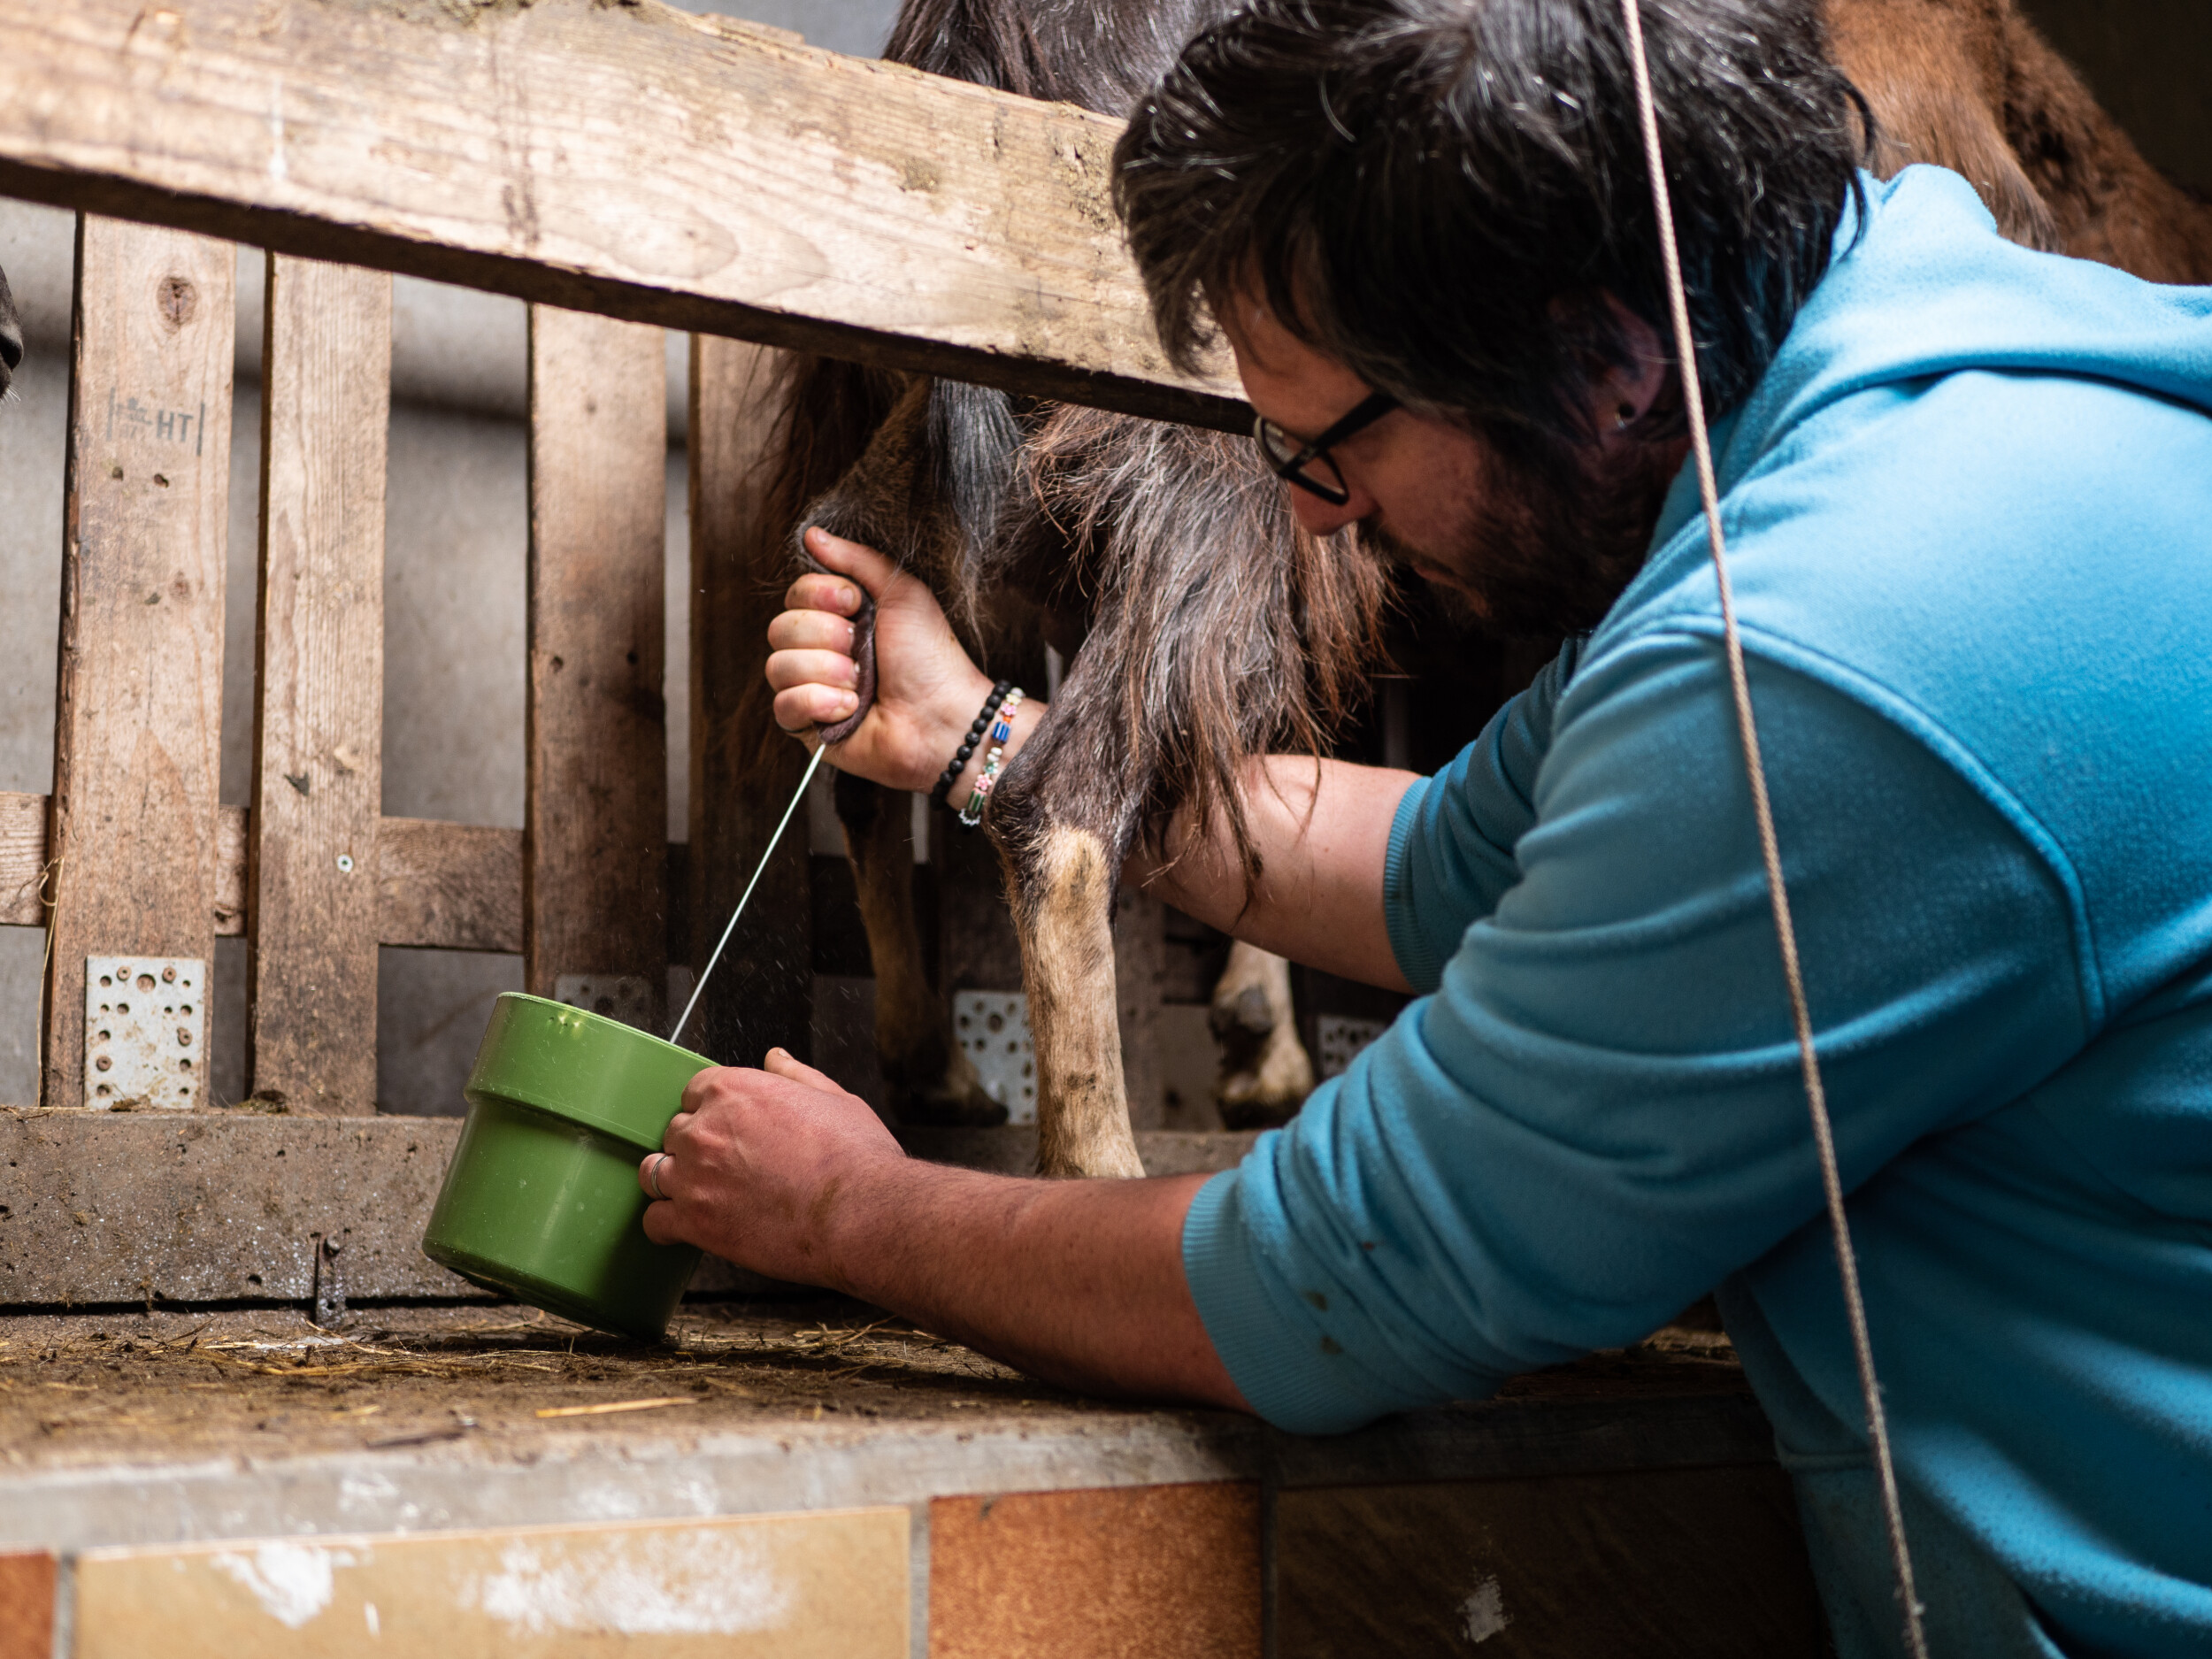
pixel 653 1177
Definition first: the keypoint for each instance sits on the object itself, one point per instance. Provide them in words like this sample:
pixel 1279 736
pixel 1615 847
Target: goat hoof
pixel 1247 1015
pixel 1267 1094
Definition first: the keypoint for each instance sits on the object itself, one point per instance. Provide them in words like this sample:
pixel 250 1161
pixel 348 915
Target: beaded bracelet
pixel 972 814
pixel 967 747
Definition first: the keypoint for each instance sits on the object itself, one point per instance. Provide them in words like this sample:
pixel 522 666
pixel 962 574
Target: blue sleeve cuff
pixel 1415 952
pixel 1293 1375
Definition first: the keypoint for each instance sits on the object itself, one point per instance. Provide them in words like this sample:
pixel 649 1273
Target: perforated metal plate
pixel 992 1028
pixel 1342 1037
pixel 145 1032
pixel 624 996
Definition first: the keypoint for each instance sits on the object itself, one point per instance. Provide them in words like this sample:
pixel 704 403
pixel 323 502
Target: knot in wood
pixel 178 298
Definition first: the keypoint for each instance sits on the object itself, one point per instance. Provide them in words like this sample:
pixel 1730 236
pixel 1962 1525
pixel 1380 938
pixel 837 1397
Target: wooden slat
pixel 440 887
pixel 310 1021
pixel 596 800
pixel 742 773
pixel 137 740
pixel 22 859
pixel 628 159
pixel 449 887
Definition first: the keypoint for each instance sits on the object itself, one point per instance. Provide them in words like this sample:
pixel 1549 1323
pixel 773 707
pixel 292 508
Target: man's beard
pixel 1555 533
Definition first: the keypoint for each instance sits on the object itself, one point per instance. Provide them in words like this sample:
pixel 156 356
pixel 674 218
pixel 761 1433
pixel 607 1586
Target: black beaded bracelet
pixel 967 747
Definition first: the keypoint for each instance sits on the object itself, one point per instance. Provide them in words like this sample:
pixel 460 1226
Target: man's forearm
pixel 1322 836
pixel 1078 1282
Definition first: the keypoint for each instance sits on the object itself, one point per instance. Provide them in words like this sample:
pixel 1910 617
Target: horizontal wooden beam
pixel 628 159
pixel 443 887
pixel 449 887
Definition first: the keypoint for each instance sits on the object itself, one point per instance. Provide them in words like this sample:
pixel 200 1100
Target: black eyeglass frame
pixel 1370 409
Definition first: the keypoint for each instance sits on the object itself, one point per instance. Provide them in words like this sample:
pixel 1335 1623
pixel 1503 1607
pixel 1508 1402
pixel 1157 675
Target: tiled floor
pixel 826 1586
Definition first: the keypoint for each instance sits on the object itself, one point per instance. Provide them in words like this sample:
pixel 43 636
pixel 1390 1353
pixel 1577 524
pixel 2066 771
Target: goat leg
pixel 1265 1071
pixel 931 1080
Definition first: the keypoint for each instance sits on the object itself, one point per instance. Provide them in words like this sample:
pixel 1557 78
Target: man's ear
pixel 1617 392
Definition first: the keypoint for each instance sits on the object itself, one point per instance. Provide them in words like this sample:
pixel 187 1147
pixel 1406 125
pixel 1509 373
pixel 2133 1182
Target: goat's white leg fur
pixel 1068 966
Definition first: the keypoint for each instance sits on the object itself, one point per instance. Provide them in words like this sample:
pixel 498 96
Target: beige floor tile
pixel 826 1586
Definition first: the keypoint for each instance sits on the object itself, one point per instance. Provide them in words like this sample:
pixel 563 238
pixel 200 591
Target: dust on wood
pixel 443 887
pixel 137 732
pixel 449 887
pixel 594 896
pixel 318 789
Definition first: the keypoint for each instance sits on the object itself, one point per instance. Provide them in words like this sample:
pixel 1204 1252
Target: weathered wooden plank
pixel 326 404
pixel 22 859
pixel 445 887
pixel 138 722
pixel 743 771
pixel 596 812
pixel 628 159
pixel 449 887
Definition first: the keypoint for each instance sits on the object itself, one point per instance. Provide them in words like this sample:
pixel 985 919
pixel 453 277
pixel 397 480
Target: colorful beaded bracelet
pixel 972 814
pixel 975 734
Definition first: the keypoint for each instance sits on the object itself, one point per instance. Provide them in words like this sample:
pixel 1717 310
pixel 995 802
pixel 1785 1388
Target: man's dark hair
pixel 1434 192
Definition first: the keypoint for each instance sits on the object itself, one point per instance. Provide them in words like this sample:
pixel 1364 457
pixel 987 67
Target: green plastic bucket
pixel 541 1200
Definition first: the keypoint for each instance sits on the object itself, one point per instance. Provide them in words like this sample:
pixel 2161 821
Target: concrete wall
pixel 455 544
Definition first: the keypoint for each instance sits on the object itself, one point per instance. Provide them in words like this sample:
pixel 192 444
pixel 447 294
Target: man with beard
pixel 1969 493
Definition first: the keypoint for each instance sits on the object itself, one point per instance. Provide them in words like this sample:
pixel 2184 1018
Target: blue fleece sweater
pixel 1969 511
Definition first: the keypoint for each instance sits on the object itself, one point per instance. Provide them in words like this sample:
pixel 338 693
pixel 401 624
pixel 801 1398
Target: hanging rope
pixel 797 795
pixel 1770 850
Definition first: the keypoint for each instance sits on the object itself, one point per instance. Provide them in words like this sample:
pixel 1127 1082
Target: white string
pixel 1770 852
pixel 805 778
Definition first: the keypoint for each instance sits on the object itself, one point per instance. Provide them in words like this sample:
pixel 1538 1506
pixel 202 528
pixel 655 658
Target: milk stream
pixel 766 853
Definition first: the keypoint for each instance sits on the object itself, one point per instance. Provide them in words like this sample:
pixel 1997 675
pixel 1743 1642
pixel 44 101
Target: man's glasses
pixel 1308 466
